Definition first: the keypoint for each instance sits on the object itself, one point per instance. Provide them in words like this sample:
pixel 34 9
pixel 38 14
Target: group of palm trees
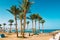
pixel 4 24
pixel 10 21
pixel 36 17
pixel 20 13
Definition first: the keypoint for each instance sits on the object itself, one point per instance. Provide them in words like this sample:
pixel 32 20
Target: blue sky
pixel 48 9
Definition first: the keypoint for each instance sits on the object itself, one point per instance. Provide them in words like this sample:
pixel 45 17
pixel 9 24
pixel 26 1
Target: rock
pixel 2 35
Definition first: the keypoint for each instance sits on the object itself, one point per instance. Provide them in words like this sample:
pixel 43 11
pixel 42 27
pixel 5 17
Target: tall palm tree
pixel 0 28
pixel 4 26
pixel 14 10
pixel 0 25
pixel 27 24
pixel 35 18
pixel 39 19
pixel 42 21
pixel 26 6
pixel 20 16
pixel 31 17
pixel 11 21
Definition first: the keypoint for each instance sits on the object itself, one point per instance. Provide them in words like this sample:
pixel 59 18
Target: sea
pixel 38 31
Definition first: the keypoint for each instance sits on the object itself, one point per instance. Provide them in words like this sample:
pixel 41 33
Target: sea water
pixel 0 35
pixel 37 31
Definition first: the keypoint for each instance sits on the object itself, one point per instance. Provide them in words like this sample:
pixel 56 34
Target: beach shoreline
pixel 42 36
pixel 34 37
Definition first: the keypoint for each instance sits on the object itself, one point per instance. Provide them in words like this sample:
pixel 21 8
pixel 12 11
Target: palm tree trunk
pixel 27 26
pixel 42 28
pixel 39 26
pixel 24 23
pixel 16 25
pixel 35 26
pixel 4 28
pixel 32 27
pixel 10 28
pixel 21 25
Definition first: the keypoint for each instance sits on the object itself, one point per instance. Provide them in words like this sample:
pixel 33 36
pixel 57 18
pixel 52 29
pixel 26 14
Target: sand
pixel 12 36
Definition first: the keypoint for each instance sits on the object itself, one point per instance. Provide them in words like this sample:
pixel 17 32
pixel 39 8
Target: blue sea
pixel 39 31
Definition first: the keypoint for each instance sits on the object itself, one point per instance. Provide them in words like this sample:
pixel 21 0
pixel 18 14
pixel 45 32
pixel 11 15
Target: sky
pixel 48 9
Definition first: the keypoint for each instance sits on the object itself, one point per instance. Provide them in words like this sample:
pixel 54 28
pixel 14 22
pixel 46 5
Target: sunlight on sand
pixel 12 36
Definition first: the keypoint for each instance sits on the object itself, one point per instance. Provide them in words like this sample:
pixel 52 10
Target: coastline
pixel 42 36
pixel 34 37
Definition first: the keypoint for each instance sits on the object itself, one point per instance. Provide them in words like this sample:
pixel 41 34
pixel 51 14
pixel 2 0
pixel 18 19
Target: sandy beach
pixel 12 36
pixel 29 19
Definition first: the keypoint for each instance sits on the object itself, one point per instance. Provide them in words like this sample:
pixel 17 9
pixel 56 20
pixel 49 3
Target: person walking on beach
pixel 53 38
pixel 59 37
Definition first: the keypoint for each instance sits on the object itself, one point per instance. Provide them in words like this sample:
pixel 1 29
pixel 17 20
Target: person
pixel 53 38
pixel 29 34
pixel 59 37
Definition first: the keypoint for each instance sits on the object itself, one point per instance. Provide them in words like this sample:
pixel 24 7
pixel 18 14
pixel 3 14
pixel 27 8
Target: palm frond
pixel 28 18
pixel 11 21
pixel 10 11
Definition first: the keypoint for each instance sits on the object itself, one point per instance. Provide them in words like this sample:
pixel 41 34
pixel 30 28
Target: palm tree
pixel 39 19
pixel 11 21
pixel 0 28
pixel 27 24
pixel 35 18
pixel 4 26
pixel 20 16
pixel 26 6
pixel 0 25
pixel 32 19
pixel 42 21
pixel 14 10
